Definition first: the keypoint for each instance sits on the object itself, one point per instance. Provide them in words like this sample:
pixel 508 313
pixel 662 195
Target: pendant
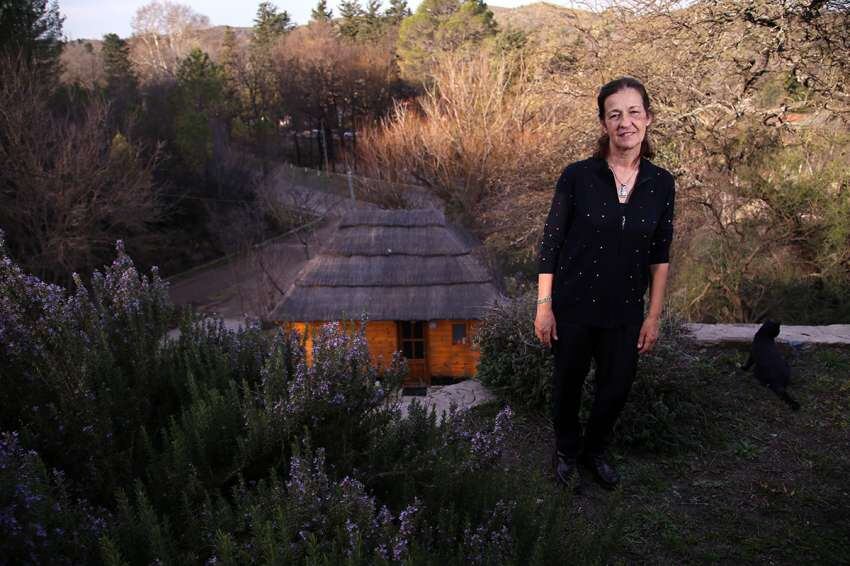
pixel 622 191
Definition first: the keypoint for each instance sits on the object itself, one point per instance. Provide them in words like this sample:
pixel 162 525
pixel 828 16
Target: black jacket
pixel 599 250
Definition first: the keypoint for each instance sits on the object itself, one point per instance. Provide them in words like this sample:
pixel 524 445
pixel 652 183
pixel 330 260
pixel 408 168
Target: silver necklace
pixel 621 190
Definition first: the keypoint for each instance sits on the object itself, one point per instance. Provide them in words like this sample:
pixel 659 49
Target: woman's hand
pixel 648 335
pixel 544 324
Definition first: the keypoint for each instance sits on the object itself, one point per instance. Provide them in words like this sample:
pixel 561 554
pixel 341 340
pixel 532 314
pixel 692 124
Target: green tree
pixel 232 68
pixel 473 21
pixel 121 86
pixel 372 23
pixel 351 18
pixel 269 24
pixel 32 29
pixel 397 11
pixel 257 79
pixel 199 81
pixel 199 96
pixel 439 26
pixel 229 52
pixel 321 13
pixel 373 9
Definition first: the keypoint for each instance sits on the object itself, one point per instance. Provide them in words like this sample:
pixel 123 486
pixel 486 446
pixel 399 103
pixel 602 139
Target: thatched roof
pixel 394 265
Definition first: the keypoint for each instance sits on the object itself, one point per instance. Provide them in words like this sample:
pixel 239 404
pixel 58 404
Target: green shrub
pixel 513 361
pixel 516 364
pixel 226 446
pixel 662 413
pixel 40 521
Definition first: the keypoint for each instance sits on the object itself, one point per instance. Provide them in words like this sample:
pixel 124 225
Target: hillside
pixel 543 17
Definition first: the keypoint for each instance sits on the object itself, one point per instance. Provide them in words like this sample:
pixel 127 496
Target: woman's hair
pixel 607 90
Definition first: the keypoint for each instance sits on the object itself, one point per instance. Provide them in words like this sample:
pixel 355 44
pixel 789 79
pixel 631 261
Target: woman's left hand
pixel 648 335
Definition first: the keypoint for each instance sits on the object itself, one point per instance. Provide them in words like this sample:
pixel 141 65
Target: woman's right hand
pixel 544 324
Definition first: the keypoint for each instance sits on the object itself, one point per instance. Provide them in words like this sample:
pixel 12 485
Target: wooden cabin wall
pixel 380 335
pixel 452 360
pixel 444 358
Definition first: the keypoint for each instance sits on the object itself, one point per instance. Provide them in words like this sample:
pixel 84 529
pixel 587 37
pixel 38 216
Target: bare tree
pixel 164 33
pixel 68 188
pixel 82 64
pixel 749 99
pixel 333 85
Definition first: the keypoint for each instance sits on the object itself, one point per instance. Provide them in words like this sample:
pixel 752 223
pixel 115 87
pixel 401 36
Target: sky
pixel 91 19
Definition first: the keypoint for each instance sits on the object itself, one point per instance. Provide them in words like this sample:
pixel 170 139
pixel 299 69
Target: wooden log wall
pixel 444 358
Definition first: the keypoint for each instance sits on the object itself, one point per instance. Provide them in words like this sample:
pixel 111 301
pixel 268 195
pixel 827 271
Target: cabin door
pixel 411 337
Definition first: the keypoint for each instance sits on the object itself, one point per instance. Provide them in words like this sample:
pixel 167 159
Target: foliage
pixel 68 186
pixel 770 97
pixel 217 445
pixel 660 413
pixel 332 83
pixel 82 65
pixel 80 371
pixel 512 359
pixel 200 100
pixel 39 519
pixel 269 24
pixel 663 413
pixel 397 11
pixel 778 244
pixel 121 83
pixel 350 16
pixel 366 23
pixel 32 30
pixel 321 13
pixel 484 138
pixel 164 33
pixel 440 26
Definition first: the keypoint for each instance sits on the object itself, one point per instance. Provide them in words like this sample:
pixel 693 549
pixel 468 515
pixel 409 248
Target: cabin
pixel 421 283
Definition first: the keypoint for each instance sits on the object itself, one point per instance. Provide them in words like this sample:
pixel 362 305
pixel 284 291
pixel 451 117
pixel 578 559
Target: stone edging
pixel 794 335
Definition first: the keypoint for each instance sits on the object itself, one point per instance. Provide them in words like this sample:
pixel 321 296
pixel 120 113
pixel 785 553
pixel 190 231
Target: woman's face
pixel 626 120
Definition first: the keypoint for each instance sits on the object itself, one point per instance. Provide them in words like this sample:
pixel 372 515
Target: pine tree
pixel 473 21
pixel 373 9
pixel 200 96
pixel 200 82
pixel 121 83
pixel 32 29
pixel 321 13
pixel 351 17
pixel 228 52
pixel 372 23
pixel 397 11
pixel 231 59
pixel 116 64
pixel 269 24
pixel 441 25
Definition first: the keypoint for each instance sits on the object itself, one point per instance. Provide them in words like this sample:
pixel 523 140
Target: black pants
pixel 615 352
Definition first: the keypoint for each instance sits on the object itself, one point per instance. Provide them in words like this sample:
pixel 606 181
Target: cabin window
pixel 413 339
pixel 459 333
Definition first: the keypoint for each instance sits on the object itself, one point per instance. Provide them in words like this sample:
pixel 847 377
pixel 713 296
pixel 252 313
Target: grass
pixel 756 483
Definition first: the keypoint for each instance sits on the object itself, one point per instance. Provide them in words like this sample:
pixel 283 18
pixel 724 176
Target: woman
pixel 606 238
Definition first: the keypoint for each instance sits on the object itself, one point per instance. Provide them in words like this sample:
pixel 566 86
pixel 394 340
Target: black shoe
pixel 565 467
pixel 603 471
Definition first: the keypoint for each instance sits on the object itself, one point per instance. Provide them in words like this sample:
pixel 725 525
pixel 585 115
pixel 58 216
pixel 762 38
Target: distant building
pixel 419 282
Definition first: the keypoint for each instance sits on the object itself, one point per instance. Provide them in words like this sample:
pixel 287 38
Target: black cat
pixel 771 368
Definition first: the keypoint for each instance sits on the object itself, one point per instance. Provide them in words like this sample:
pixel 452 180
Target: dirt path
pixel 251 284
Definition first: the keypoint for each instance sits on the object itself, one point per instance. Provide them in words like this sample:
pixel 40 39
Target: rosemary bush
pixel 124 445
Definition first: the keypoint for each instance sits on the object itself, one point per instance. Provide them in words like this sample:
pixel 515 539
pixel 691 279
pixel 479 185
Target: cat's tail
pixel 795 406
